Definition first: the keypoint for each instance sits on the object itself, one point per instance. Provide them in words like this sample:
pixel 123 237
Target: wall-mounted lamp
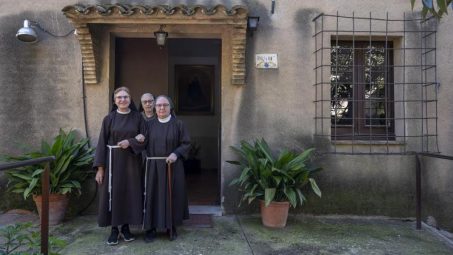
pixel 252 23
pixel 161 36
pixel 28 34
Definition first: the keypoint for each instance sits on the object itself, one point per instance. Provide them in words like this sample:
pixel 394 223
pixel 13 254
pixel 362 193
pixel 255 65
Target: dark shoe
pixel 113 238
pixel 126 233
pixel 150 235
pixel 172 235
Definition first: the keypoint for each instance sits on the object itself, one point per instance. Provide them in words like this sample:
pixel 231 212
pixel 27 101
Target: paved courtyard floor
pixel 244 234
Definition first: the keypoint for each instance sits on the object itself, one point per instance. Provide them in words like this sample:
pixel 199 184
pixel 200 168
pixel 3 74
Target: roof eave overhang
pixel 83 15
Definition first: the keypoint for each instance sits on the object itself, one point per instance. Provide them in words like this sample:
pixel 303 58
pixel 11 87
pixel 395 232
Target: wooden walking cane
pixel 145 191
pixel 169 177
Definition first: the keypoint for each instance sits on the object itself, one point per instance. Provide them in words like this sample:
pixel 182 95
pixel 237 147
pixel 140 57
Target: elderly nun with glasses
pixel 147 106
pixel 167 143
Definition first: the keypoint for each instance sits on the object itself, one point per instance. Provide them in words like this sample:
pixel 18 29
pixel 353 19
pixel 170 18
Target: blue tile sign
pixel 266 61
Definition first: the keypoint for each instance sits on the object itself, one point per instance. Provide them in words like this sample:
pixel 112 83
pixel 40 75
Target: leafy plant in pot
pixel 277 181
pixel 67 172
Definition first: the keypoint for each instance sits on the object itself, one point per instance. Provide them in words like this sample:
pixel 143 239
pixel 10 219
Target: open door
pixel 188 70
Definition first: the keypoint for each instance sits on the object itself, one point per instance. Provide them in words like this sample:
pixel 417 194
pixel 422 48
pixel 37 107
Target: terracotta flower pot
pixel 57 207
pixel 275 214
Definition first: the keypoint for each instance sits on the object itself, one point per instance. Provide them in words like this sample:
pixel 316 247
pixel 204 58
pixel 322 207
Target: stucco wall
pixel 42 84
pixel 277 104
pixel 437 175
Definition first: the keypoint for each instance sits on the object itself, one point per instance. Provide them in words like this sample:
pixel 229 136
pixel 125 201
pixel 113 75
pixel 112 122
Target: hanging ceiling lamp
pixel 161 36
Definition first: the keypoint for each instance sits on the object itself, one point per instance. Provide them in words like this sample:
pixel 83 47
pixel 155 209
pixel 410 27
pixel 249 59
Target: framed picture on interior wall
pixel 194 89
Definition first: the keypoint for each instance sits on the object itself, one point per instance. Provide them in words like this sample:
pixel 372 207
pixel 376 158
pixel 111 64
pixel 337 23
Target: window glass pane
pixel 375 113
pixel 341 104
pixel 341 85
pixel 374 85
pixel 374 94
pixel 375 57
pixel 361 89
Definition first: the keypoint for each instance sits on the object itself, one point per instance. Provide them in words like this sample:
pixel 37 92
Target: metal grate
pixel 375 84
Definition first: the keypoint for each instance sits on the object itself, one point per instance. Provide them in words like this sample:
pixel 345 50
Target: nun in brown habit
pixel 167 142
pixel 119 171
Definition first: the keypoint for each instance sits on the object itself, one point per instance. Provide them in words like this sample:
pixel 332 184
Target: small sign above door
pixel 266 61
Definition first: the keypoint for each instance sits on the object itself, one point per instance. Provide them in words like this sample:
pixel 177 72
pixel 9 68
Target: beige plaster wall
pixel 43 84
pixel 438 173
pixel 278 105
pixel 40 83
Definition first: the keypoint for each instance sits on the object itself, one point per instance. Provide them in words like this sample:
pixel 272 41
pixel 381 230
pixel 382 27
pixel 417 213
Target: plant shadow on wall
pixel 69 169
pixel 277 181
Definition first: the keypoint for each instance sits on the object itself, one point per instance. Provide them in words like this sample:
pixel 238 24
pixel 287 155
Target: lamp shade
pixel 252 23
pixel 27 33
pixel 161 37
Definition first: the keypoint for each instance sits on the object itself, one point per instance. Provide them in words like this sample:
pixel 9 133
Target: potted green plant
pixel 278 181
pixel 67 172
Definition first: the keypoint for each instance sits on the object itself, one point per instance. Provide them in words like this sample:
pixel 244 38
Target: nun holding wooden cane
pixel 167 143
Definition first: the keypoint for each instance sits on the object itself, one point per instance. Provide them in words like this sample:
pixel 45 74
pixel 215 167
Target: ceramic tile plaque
pixel 266 61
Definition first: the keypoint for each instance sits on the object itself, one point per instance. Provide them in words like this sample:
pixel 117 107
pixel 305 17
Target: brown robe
pixel 162 140
pixel 144 151
pixel 127 187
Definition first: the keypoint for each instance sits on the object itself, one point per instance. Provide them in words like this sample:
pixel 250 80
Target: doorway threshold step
pixel 205 209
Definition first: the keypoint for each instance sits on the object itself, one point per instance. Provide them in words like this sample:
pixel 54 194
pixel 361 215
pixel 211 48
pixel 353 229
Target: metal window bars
pixel 377 99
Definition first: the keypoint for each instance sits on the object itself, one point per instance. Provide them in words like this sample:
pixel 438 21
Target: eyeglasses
pixel 162 105
pixel 147 101
pixel 122 97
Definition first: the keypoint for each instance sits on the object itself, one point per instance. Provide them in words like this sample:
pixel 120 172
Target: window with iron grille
pixel 361 90
pixel 375 84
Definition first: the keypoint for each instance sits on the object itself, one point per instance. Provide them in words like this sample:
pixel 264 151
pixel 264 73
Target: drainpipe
pixel 418 192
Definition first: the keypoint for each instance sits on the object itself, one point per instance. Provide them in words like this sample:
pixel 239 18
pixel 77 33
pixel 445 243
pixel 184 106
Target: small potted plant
pixel 277 181
pixel 67 172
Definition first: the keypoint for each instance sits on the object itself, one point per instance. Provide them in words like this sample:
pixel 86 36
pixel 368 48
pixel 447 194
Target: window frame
pixel 359 130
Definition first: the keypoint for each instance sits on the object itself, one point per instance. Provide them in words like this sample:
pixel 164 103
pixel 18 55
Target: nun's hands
pixel 171 159
pixel 124 144
pixel 99 175
pixel 140 138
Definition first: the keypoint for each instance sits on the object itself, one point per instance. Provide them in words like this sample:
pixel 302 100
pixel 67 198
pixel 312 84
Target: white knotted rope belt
pixel 111 147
